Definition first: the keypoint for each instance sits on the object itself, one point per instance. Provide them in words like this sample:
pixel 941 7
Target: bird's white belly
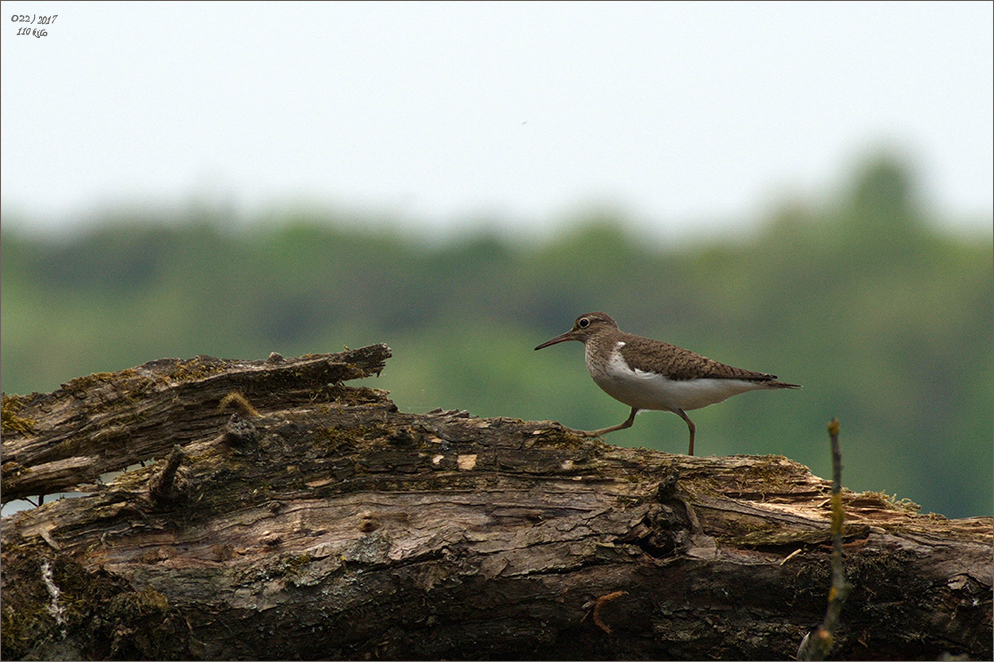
pixel 649 390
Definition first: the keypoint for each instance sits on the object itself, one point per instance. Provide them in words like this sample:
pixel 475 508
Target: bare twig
pixel 599 603
pixel 162 485
pixel 817 644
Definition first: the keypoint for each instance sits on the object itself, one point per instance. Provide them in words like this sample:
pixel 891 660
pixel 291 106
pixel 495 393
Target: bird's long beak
pixel 561 338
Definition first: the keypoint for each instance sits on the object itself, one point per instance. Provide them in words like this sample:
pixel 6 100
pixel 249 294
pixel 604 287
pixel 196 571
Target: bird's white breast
pixel 650 390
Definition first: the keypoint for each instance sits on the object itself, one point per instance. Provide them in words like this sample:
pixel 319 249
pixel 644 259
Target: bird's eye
pixel 583 323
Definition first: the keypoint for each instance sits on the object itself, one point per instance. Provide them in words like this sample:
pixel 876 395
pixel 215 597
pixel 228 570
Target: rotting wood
pixel 332 525
pixel 108 421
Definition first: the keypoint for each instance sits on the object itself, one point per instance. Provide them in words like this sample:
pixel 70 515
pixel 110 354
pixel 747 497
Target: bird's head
pixel 584 328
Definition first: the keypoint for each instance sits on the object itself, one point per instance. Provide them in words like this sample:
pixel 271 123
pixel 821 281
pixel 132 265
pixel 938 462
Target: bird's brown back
pixel 679 363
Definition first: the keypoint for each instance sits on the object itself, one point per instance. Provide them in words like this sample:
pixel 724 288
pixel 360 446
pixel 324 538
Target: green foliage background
pixel 886 321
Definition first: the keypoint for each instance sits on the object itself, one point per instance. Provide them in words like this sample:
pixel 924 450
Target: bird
pixel 649 374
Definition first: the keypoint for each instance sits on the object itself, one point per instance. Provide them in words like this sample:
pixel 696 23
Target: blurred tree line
pixel 885 320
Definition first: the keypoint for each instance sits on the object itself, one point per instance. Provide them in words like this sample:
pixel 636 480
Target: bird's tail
pixel 774 383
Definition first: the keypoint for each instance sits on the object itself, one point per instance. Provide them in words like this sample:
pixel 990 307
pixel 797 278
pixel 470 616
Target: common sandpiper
pixel 649 374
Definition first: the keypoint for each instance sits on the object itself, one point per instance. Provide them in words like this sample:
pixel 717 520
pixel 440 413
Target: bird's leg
pixel 621 426
pixel 690 424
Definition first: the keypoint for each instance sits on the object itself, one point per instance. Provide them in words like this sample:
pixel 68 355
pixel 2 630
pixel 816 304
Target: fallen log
pixel 288 515
pixel 108 421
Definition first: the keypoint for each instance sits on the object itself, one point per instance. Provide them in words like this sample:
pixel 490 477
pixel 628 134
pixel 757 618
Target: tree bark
pixel 319 522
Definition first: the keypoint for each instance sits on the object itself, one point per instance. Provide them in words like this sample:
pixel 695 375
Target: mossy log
pixel 110 420
pixel 289 516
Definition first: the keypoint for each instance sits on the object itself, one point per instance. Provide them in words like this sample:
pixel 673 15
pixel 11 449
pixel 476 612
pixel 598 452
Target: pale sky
pixel 683 114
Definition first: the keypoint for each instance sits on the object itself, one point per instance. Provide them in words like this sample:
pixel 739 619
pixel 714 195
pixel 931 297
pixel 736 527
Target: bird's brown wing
pixel 679 363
